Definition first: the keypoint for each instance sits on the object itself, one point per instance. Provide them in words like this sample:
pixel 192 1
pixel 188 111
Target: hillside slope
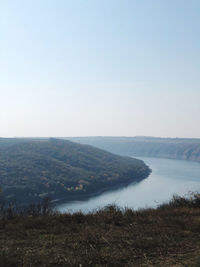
pixel 31 169
pixel 173 148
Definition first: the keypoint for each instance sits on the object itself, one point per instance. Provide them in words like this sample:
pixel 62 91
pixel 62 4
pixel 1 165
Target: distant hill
pixel 173 148
pixel 33 168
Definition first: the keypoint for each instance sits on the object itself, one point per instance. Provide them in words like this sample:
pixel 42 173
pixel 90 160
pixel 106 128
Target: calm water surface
pixel 168 177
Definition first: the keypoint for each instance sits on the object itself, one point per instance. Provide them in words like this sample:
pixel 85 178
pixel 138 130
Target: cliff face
pixel 183 149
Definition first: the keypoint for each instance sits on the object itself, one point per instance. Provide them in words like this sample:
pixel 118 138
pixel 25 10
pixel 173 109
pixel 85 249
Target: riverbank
pixel 87 196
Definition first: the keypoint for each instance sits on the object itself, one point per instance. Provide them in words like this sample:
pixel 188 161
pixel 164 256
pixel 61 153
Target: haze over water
pixel 168 177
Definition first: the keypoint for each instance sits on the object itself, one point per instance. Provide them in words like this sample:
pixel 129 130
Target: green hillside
pixel 32 169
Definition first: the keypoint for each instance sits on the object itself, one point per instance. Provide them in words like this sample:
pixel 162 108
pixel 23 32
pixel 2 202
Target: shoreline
pixel 65 200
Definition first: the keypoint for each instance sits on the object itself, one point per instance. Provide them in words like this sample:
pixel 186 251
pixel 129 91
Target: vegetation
pixel 32 169
pixel 166 236
pixel 172 148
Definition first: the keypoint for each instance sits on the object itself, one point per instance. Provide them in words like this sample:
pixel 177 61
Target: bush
pixel 192 201
pixel 9 209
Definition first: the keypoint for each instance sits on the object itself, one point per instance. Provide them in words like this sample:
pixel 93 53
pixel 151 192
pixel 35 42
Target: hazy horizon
pixel 99 136
pixel 100 68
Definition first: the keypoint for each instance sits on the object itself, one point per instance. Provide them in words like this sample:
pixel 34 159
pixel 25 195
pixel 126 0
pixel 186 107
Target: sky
pixel 99 68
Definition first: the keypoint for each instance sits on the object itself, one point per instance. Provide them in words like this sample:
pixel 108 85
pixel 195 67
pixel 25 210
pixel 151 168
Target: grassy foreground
pixel 166 236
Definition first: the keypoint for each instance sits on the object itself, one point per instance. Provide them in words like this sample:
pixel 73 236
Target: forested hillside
pixel 32 169
pixel 173 148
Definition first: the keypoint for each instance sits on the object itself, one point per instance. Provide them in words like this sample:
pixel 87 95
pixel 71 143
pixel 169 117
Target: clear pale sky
pixel 100 67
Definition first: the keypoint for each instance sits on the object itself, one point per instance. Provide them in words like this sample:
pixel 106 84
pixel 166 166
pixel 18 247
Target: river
pixel 168 177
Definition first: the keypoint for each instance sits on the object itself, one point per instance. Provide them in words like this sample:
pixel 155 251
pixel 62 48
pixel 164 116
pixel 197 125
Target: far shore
pixel 122 184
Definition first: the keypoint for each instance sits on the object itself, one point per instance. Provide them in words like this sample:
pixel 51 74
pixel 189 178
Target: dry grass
pixel 167 236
